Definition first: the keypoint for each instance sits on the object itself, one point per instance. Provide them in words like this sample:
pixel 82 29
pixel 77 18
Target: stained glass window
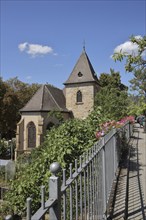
pixel 31 135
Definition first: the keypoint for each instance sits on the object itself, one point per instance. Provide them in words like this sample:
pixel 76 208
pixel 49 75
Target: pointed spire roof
pixel 83 71
pixel 47 98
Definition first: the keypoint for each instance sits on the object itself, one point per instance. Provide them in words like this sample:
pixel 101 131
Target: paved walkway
pixel 129 200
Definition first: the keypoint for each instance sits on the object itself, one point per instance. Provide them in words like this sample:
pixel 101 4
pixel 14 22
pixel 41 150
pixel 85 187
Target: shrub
pixel 63 144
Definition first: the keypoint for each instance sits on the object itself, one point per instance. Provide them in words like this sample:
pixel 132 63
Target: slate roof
pixel 83 71
pixel 47 98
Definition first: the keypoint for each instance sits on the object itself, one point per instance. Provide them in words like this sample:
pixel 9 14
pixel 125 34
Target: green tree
pixel 135 63
pixel 112 97
pixel 112 80
pixel 135 105
pixel 14 94
pixel 3 88
pixel 3 149
pixel 138 82
pixel 10 114
pixel 8 110
pixel 24 91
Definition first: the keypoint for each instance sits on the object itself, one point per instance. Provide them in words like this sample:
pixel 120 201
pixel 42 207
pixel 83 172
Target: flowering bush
pixel 128 118
pixel 107 126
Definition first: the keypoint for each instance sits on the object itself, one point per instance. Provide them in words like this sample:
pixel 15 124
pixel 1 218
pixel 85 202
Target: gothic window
pixel 31 135
pixel 79 96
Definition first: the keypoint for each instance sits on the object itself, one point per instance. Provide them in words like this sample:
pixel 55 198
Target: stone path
pixel 129 202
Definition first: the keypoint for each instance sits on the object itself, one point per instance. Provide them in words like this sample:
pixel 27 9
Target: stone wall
pixel 80 109
pixel 23 137
pixel 40 120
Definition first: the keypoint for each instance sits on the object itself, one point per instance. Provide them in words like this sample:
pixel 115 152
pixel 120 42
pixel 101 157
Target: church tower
pixel 78 101
pixel 81 87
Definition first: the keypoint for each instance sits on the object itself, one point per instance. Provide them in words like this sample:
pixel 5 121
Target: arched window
pixel 79 96
pixel 31 129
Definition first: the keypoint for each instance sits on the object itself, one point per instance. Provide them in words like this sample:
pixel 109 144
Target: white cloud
pixel 35 49
pixel 22 46
pixel 128 47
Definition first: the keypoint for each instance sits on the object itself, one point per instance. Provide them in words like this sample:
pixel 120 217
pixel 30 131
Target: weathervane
pixel 84 45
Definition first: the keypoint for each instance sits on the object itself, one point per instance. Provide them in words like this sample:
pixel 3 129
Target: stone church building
pixel 75 100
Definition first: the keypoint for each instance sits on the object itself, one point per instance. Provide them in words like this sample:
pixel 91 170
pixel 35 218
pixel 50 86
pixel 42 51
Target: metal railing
pixel 85 194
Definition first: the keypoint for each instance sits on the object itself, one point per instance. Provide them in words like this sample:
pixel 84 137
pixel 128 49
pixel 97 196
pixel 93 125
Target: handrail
pixel 87 191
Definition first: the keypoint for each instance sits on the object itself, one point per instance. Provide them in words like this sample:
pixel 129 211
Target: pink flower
pixel 102 133
pixel 105 127
pixel 98 134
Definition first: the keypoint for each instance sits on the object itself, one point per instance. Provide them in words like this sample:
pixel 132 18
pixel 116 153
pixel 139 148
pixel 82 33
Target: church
pixel 76 100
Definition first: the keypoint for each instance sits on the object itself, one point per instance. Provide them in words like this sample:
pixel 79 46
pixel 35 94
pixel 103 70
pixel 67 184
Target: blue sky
pixel 42 40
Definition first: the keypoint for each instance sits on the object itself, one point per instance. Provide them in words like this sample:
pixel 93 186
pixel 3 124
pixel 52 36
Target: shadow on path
pixel 127 198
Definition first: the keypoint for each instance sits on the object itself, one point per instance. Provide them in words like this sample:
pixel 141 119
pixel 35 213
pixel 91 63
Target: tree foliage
pixel 3 149
pixel 112 80
pixel 112 97
pixel 24 91
pixel 136 63
pixel 138 82
pixel 136 105
pixel 8 111
pixel 14 94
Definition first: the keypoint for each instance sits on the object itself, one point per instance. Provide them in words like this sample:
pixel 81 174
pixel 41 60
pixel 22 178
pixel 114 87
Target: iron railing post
pixel 145 115
pixel 28 204
pixel 115 151
pixel 144 123
pixel 104 176
pixel 129 130
pixel 55 192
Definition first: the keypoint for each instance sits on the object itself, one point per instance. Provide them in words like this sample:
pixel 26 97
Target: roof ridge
pixel 52 86
pixel 91 67
pixel 42 103
pixel 54 99
pixel 29 101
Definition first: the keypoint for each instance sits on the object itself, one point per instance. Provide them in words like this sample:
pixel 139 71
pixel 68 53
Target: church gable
pixel 83 71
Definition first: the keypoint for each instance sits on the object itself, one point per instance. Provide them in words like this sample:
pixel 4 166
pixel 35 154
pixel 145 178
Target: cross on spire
pixel 84 45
